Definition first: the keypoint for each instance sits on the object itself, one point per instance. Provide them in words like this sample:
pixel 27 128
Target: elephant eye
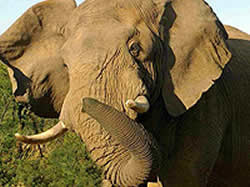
pixel 135 49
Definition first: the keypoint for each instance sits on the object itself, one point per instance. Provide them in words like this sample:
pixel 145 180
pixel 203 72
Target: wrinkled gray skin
pixel 196 132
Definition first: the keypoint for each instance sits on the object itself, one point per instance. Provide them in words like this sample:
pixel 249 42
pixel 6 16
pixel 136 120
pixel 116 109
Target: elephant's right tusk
pixel 56 131
pixel 140 104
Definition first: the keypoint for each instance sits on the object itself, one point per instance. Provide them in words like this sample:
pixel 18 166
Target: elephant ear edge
pixel 196 52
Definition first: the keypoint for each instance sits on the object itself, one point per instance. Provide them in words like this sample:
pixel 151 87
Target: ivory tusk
pixel 140 104
pixel 155 184
pixel 54 132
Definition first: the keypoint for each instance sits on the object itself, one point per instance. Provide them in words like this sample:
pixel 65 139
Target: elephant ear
pixel 196 52
pixel 34 25
pixel 31 50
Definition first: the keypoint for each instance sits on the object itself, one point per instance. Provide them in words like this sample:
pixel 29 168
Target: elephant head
pixel 128 55
pixel 30 49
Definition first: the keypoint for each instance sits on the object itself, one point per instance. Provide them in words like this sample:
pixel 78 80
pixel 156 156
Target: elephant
pixel 38 33
pixel 156 89
pixel 234 33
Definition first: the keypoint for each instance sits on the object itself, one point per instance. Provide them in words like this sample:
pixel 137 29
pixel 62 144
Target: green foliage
pixel 63 162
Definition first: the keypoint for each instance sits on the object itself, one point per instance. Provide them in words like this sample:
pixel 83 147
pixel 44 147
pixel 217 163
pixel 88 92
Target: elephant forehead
pixel 102 34
pixel 120 9
pixel 93 42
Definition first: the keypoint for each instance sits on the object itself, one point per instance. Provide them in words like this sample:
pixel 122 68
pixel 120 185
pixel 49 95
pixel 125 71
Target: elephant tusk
pixel 155 184
pixel 140 104
pixel 54 132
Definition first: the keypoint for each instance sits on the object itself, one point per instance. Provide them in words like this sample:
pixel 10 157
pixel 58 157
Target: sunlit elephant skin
pixel 234 33
pixel 157 90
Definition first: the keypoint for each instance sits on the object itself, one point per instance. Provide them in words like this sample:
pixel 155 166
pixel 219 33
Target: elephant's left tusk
pixel 58 130
pixel 140 104
pixel 155 184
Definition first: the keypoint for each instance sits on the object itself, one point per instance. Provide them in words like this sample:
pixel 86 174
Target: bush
pixel 63 162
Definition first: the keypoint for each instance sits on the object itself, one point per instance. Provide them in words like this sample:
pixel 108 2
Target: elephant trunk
pixel 131 135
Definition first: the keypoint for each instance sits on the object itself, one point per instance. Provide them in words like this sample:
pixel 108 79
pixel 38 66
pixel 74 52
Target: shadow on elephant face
pixel 30 49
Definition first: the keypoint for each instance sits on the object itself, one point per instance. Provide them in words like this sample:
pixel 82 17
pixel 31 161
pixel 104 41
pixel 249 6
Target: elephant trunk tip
pixel 87 103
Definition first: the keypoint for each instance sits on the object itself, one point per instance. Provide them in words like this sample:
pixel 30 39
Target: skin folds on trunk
pixel 131 135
